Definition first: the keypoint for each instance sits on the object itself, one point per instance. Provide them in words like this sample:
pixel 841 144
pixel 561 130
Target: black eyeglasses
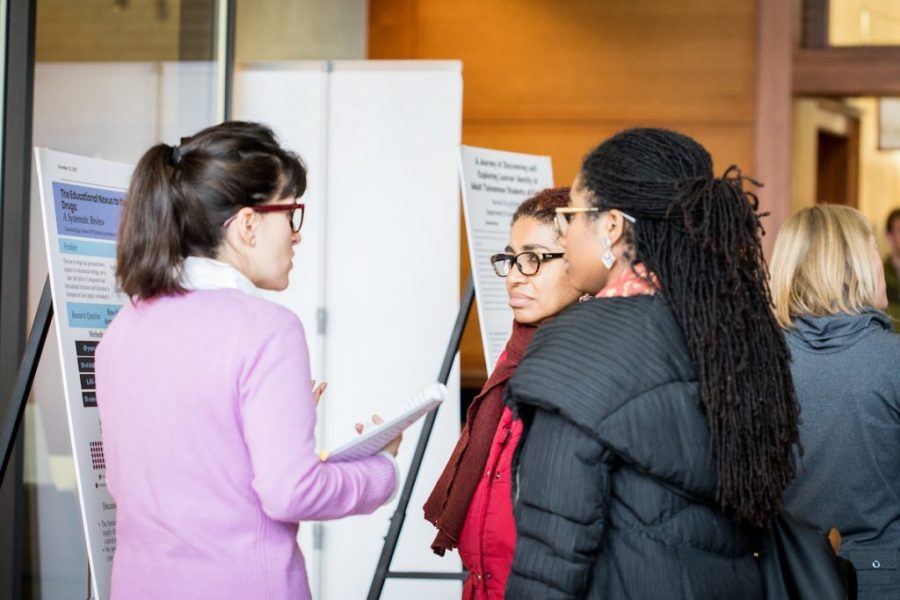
pixel 528 263
pixel 295 213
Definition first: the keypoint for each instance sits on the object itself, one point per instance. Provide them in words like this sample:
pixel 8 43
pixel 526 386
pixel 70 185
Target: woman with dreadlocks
pixel 660 419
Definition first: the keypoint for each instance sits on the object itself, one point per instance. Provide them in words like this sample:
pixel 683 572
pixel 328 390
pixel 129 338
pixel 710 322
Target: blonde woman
pixel 828 289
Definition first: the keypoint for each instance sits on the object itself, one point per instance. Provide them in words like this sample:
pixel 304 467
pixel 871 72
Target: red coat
pixel 488 537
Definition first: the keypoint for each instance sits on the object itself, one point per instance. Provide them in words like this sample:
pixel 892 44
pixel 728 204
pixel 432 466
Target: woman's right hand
pixel 393 446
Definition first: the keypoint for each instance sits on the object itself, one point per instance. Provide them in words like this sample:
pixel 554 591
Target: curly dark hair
pixel 542 206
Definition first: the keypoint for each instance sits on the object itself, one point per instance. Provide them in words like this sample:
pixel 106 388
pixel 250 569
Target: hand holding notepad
pixel 393 446
pixel 373 441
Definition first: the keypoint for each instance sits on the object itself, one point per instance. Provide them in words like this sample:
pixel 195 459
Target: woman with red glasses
pixel 471 504
pixel 203 386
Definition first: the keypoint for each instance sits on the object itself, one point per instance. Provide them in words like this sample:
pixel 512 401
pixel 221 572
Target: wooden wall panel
pixel 629 59
pixel 557 77
pixel 568 142
pixel 93 30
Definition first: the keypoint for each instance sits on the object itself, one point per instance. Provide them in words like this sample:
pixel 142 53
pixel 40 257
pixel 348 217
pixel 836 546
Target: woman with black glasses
pixel 203 386
pixel 471 503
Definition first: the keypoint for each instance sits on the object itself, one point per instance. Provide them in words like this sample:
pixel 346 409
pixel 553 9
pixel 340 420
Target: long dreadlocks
pixel 701 236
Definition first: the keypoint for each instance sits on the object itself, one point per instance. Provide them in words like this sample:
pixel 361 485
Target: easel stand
pixel 12 422
pixel 28 367
pixel 25 376
pixel 382 571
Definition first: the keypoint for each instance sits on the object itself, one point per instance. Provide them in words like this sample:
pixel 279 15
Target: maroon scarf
pixel 449 501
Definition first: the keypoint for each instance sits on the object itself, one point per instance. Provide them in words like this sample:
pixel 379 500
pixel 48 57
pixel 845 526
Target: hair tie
pixel 175 156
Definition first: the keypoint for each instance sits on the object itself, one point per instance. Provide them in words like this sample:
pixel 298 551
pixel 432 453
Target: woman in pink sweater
pixel 203 386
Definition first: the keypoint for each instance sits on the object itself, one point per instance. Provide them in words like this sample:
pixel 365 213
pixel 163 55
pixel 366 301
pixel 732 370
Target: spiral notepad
pixel 373 441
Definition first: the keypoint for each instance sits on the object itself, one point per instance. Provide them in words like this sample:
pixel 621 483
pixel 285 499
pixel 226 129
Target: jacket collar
pixel 833 333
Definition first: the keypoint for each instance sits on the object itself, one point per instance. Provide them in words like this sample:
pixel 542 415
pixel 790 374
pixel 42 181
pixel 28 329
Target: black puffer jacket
pixel 614 486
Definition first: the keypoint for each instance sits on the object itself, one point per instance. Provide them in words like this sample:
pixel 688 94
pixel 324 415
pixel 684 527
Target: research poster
pixel 81 199
pixel 494 183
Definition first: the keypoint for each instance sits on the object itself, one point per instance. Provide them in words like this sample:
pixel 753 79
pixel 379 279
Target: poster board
pixel 494 183
pixel 115 111
pixel 81 201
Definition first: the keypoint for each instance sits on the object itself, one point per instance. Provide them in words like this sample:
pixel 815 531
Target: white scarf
pixel 200 273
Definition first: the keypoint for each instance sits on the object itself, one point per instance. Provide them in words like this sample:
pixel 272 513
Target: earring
pixel 608 258
pixel 253 241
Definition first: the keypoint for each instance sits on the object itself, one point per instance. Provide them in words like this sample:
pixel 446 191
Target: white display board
pixel 298 111
pixel 81 201
pixel 392 292
pixel 494 183
pixel 378 271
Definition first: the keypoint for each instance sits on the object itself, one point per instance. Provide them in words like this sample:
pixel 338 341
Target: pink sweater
pixel 208 428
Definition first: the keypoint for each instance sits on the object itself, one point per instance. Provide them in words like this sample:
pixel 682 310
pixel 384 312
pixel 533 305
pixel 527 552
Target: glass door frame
pixel 17 31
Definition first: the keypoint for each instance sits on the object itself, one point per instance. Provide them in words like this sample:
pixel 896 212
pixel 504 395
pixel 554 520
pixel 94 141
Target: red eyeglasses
pixel 295 213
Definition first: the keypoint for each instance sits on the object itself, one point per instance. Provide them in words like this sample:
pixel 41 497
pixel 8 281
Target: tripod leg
pixel 25 377
pixel 90 587
pixel 393 535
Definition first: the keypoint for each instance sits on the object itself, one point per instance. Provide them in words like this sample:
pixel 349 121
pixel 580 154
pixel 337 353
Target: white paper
pixel 494 183
pixel 373 441
pixel 81 202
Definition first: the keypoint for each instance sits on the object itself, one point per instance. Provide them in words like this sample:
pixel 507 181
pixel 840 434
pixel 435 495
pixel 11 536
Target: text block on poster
pixel 494 183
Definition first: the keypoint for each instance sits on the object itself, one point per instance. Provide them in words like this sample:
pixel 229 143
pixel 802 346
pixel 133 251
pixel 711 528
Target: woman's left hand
pixel 318 391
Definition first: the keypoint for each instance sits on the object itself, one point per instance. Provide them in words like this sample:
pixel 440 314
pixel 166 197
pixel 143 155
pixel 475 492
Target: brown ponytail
pixel 180 196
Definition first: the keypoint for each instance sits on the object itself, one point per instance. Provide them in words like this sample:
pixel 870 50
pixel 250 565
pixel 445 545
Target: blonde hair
pixel 821 264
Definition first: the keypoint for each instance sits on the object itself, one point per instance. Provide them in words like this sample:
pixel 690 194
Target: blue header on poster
pixel 87 211
pixel 97 316
pixel 83 248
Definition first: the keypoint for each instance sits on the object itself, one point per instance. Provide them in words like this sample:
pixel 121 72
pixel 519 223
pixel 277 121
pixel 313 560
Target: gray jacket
pixel 846 371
